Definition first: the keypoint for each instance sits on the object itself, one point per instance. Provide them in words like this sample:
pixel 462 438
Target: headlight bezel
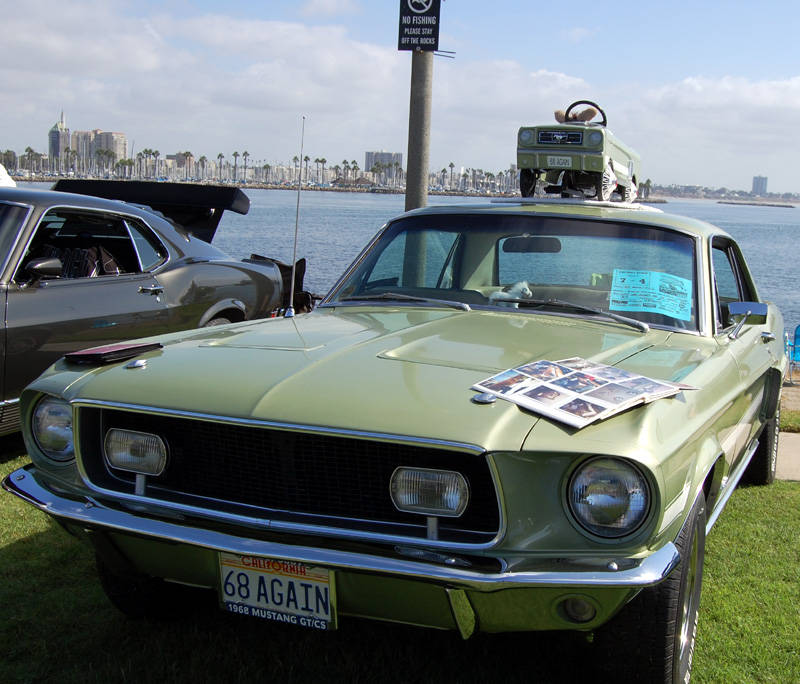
pixel 610 533
pixel 39 431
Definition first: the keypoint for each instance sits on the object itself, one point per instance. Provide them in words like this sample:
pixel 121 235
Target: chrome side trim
pixel 731 484
pixel 638 572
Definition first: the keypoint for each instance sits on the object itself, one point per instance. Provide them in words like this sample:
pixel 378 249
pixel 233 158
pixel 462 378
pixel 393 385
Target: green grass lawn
pixel 790 420
pixel 56 625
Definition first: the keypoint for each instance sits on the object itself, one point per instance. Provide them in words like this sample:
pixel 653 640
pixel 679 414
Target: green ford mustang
pixel 405 451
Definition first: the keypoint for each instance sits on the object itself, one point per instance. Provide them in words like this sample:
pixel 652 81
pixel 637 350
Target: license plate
pixel 279 590
pixel 559 162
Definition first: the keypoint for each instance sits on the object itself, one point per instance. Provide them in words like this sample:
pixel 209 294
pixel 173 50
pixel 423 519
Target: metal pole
pixel 419 129
pixel 290 309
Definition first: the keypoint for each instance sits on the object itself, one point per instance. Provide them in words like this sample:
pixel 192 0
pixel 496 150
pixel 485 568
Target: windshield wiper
pixel 399 297
pixel 561 303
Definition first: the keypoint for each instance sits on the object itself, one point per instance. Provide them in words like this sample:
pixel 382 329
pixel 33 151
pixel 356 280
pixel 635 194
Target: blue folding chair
pixel 793 352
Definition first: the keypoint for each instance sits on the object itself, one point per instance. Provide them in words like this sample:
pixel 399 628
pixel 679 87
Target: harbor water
pixel 335 226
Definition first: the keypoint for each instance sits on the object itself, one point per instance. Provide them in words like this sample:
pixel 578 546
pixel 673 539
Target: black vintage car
pixel 79 269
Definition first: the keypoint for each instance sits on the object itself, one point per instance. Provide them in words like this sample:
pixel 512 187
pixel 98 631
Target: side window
pixel 725 277
pixel 729 280
pixel 150 251
pixel 88 244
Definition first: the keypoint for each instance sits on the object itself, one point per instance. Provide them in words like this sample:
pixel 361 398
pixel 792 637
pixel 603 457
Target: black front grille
pixel 285 474
pixel 561 137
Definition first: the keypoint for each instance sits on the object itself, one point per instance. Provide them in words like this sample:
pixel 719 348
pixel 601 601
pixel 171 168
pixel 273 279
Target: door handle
pixel 767 337
pixel 151 289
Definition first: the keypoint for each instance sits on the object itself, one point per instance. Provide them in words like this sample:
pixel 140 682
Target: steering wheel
pixel 591 104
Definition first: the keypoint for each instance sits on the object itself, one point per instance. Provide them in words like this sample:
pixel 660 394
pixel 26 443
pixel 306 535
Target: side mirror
pixel 751 313
pixel 46 267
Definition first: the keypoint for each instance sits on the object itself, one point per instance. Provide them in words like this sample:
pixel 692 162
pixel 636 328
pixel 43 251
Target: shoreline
pixel 757 204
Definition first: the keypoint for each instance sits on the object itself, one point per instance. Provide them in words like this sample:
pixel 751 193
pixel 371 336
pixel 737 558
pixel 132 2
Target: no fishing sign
pixel 419 25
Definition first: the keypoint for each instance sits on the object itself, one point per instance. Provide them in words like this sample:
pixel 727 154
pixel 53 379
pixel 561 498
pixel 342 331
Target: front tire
pixel 605 184
pixel 653 637
pixel 527 182
pixel 219 320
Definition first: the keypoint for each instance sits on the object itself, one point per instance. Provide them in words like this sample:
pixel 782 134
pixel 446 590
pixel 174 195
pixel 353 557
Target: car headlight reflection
pixel 51 426
pixel 608 497
pixel 526 136
pixel 429 492
pixel 135 452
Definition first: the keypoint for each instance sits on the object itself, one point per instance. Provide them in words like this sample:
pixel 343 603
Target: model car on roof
pixel 478 429
pixel 80 270
pixel 579 158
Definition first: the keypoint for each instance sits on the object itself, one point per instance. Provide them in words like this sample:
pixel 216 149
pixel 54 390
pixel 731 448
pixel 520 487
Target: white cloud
pixel 214 83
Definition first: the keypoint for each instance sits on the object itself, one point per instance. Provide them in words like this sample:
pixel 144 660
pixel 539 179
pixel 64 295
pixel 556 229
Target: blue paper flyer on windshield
pixel 576 391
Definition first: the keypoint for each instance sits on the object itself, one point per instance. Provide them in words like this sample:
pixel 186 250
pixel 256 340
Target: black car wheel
pixel 653 637
pixel 217 321
pixel 604 185
pixel 762 467
pixel 527 182
pixel 628 192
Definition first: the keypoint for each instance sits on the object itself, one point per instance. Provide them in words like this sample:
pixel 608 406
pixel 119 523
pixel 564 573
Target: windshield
pixel 531 263
pixel 12 218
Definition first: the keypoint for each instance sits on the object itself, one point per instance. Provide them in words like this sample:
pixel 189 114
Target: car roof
pixel 49 198
pixel 584 209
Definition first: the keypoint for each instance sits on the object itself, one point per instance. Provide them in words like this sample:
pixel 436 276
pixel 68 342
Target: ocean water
pixel 334 227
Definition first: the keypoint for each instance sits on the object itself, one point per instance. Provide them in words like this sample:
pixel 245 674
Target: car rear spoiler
pixel 196 208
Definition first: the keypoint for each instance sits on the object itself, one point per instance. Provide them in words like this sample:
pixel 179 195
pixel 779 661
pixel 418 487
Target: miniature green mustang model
pixel 578 158
pixel 340 462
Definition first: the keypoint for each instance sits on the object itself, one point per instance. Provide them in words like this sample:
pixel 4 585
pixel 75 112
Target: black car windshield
pixel 500 261
pixel 12 218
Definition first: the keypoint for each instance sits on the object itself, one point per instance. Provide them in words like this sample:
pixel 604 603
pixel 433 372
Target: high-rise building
pixel 759 185
pixel 86 145
pixel 57 142
pixel 390 162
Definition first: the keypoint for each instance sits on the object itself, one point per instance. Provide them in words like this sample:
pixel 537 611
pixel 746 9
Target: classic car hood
pixel 398 371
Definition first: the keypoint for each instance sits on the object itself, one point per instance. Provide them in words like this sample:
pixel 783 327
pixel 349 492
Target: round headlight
pixel 52 428
pixel 608 497
pixel 526 136
pixel 595 138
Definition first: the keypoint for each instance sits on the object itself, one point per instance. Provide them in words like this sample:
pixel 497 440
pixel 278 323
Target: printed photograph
pixel 646 386
pixel 544 370
pixel 579 382
pixel 611 373
pixel 577 363
pixel 504 382
pixel 613 393
pixel 582 408
pixel 544 394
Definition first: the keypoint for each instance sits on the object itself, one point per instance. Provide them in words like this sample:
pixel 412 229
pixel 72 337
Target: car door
pixel 746 346
pixel 102 295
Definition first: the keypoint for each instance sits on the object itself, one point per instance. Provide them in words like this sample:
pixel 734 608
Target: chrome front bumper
pixel 630 573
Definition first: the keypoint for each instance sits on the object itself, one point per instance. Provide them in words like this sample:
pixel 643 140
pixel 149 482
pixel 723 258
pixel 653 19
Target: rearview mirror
pixel 529 244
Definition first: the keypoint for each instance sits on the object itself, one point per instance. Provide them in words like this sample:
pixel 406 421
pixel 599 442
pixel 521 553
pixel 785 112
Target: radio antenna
pixel 290 309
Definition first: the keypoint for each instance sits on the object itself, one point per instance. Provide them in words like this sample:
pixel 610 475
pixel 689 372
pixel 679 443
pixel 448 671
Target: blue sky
pixel 708 93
